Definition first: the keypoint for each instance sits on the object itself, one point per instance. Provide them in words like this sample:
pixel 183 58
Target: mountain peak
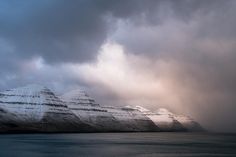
pixel 80 97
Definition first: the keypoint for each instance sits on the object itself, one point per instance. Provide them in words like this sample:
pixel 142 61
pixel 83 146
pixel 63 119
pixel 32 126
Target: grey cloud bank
pixel 179 54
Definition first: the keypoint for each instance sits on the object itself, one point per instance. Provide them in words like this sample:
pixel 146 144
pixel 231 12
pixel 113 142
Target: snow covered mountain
pixel 35 108
pixel 167 121
pixel 89 112
pixel 106 118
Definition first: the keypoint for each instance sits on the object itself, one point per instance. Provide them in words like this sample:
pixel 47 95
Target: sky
pixel 180 55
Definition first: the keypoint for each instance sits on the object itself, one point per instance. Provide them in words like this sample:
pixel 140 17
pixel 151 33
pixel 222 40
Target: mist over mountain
pixel 36 108
pixel 178 55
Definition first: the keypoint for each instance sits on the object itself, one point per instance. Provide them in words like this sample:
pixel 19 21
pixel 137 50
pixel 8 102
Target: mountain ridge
pixel 35 108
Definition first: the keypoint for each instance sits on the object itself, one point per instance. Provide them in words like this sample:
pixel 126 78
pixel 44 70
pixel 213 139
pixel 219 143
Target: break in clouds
pixel 174 54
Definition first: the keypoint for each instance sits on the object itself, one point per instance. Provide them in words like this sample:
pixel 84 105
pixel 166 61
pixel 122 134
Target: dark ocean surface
pixel 118 144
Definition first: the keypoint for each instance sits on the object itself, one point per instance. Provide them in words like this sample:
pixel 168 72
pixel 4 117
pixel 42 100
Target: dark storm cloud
pixel 56 30
pixel 72 31
pixel 59 30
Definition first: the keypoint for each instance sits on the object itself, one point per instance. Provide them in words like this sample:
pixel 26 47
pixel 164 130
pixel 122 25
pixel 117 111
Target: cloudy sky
pixel 180 55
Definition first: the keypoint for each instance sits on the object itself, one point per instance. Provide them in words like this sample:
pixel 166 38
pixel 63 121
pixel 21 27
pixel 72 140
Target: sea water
pixel 118 144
